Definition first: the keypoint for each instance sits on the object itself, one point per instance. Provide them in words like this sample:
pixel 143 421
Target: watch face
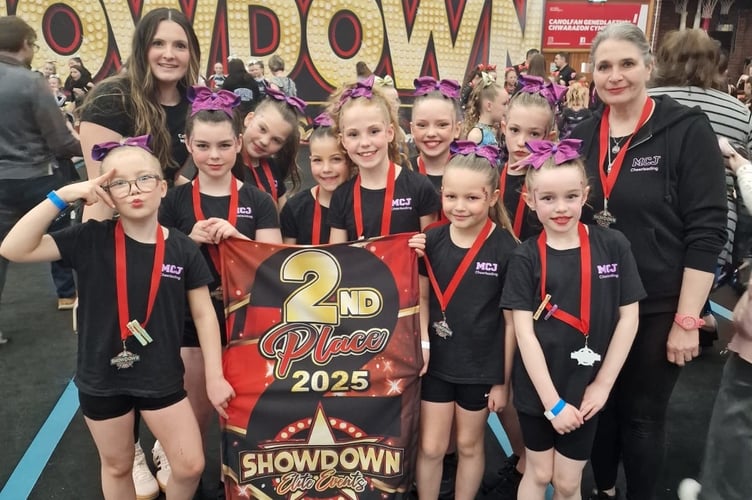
pixel 688 323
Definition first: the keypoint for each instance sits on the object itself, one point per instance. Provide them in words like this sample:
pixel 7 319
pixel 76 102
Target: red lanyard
pixel 609 179
pixel 386 212
pixel 232 214
pixel 264 165
pixel 447 295
pixel 121 278
pixel 316 229
pixel 583 322
pixel 520 211
pixel 422 166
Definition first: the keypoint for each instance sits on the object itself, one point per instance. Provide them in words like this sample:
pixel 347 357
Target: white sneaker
pixel 688 489
pixel 146 486
pixel 162 465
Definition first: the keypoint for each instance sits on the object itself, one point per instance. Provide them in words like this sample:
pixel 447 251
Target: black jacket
pixel 669 199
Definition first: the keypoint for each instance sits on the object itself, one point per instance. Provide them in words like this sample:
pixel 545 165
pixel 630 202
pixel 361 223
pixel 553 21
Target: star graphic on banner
pixel 394 386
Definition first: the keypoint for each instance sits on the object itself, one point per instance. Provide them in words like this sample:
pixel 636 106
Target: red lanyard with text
pixel 316 229
pixel 232 214
pixel 121 279
pixel 609 179
pixel 520 211
pixel 264 165
pixel 386 212
pixel 583 322
pixel 446 296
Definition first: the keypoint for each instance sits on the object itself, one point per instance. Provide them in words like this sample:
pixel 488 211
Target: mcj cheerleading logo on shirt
pixel 608 271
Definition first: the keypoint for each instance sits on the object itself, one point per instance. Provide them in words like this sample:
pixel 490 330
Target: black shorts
pixel 107 407
pixel 471 397
pixel 539 435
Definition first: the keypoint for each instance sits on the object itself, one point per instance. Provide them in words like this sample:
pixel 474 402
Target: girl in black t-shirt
pixel 574 294
pixel 117 262
pixel 383 198
pixel 304 218
pixel 215 206
pixel 435 124
pixel 270 145
pixel 466 340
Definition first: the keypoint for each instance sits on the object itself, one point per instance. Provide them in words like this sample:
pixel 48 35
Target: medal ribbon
pixel 422 166
pixel 232 215
pixel 316 229
pixel 264 165
pixel 583 322
pixel 520 211
pixel 447 295
pixel 386 212
pixel 121 279
pixel 608 180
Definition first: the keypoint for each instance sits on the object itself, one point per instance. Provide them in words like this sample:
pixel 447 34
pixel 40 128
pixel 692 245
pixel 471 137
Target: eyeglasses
pixel 122 188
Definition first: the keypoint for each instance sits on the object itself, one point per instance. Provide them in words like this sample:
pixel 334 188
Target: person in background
pixel 48 69
pixel 510 81
pixel 216 80
pixel 283 82
pixel 522 68
pixel 33 133
pixel 256 70
pixel 244 85
pixel 575 109
pixel 565 73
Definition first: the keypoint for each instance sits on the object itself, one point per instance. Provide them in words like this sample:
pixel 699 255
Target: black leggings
pixel 632 424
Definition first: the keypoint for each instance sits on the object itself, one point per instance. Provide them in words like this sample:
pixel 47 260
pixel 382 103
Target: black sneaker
pixel 602 495
pixel 505 484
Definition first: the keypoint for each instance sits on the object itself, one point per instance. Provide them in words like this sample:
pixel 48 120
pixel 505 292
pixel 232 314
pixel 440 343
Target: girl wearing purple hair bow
pixel 270 145
pixel 137 281
pixel 384 198
pixel 304 218
pixel 573 292
pixel 465 337
pixel 435 124
pixel 215 206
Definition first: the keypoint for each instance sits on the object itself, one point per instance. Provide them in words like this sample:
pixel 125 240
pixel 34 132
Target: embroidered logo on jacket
pixel 646 164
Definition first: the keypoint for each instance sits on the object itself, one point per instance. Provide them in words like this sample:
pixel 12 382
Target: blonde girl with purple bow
pixel 466 338
pixel 573 292
pixel 136 280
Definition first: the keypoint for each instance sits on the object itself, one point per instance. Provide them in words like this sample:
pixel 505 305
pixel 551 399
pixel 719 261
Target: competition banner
pixel 324 355
pixel 573 25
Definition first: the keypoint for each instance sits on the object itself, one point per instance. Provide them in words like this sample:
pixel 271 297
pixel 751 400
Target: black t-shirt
pixel 247 88
pixel 90 249
pixel 296 219
pixel 245 174
pixel 256 210
pixel 566 74
pixel 435 179
pixel 111 107
pixel 474 354
pixel 531 226
pixel 615 283
pixel 414 197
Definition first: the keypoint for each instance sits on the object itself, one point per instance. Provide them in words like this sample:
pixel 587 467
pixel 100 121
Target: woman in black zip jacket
pixel 657 176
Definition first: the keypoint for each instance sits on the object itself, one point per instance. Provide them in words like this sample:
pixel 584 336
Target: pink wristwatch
pixel 688 322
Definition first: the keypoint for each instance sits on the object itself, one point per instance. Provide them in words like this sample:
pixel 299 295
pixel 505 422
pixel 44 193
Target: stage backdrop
pixel 320 41
pixel 324 355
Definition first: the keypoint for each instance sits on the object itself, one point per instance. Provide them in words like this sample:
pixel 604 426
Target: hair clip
pixel 541 151
pixel 323 120
pixel 101 150
pixel 552 92
pixel 203 98
pixel 363 88
pixel 489 152
pixel 427 84
pixel 386 81
pixel 294 102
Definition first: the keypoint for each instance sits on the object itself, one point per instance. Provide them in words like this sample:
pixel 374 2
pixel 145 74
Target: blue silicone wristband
pixel 558 407
pixel 57 200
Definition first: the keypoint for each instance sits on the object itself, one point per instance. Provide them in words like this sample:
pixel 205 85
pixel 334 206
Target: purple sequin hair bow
pixel 101 150
pixel 550 91
pixel 294 102
pixel 427 84
pixel 206 99
pixel 323 120
pixel 489 152
pixel 561 152
pixel 363 88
